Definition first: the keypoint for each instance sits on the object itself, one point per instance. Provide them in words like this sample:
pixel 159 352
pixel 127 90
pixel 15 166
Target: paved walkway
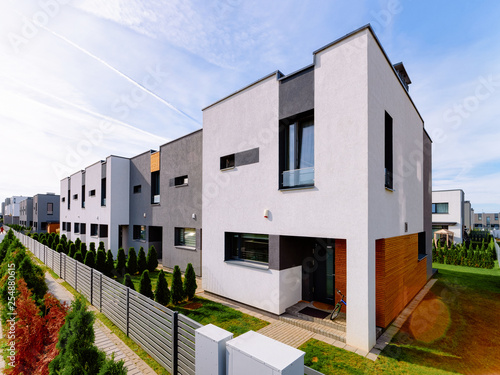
pixel 105 339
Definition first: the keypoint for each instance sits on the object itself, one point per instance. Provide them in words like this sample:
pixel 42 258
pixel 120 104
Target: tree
pixel 162 293
pixel 77 352
pixel 79 257
pixel 110 264
pixel 59 248
pixel 89 259
pixel 83 249
pixel 190 282
pixel 78 242
pixel 141 261
pixel 152 259
pixel 177 288
pixel 101 246
pixel 92 247
pixel 100 261
pixel 132 261
pixel 121 262
pixel 145 287
pixel 72 250
pixel 127 281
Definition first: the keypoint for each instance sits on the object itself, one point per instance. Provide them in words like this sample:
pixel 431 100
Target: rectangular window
pixel 43 225
pixel 155 187
pixel 75 196
pixel 69 200
pixel 50 208
pixel 247 247
pixel 92 193
pixel 76 227
pixel 440 208
pixel 480 217
pixel 103 231
pixel 139 233
pixel 298 163
pixel 185 237
pixel 83 228
pixel 388 148
pixel 488 220
pixel 83 196
pixel 180 181
pixel 496 217
pixel 137 189
pixel 68 227
pixel 227 162
pixel 103 191
pixel 63 199
pixel 63 226
pixel 93 230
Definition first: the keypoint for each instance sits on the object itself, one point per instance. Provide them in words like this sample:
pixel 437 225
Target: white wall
pixel 455 200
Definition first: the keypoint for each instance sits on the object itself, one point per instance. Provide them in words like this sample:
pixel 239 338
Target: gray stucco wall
pixel 427 185
pixel 26 212
pixel 40 214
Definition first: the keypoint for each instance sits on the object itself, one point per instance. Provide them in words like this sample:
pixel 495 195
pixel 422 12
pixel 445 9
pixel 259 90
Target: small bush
pixel 127 281
pixel 110 264
pixel 162 293
pixel 92 247
pixel 100 261
pixel 60 248
pixel 132 261
pixel 190 282
pixel 177 288
pixel 152 259
pixel 89 259
pixel 141 261
pixel 101 246
pixel 79 257
pixel 83 249
pixel 145 286
pixel 72 250
pixel 121 262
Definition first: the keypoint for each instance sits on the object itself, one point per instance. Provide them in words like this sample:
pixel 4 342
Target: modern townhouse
pixel 165 201
pixel 486 220
pixel 95 203
pixel 320 180
pixel 11 213
pixel 45 212
pixel 26 212
pixel 448 212
pixel 468 216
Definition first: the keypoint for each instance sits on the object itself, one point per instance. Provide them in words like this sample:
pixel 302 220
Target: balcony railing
pixel 156 199
pixel 298 177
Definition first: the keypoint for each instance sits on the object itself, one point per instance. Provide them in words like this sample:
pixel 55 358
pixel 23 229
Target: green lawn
pixel 454 330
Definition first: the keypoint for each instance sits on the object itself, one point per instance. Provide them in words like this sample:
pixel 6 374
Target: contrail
pixel 88 110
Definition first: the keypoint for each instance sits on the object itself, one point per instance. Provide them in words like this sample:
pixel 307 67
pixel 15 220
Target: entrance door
pixel 324 275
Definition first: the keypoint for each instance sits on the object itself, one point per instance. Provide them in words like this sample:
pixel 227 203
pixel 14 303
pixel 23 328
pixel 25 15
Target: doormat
pixel 314 312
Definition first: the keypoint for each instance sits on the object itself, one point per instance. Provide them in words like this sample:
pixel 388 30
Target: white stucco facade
pixel 453 218
pixel 113 212
pixel 354 84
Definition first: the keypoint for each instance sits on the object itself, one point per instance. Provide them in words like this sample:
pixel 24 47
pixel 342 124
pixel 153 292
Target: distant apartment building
pixel 45 211
pixel 26 212
pixel 94 203
pixel 290 160
pixel 12 209
pixel 486 220
pixel 468 216
pixel 448 212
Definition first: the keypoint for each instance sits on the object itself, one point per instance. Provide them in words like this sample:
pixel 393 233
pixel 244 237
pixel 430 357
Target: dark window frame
pixel 435 208
pixel 94 230
pixel 227 162
pixel 103 231
pixel 138 233
pixel 137 189
pixel 180 237
pixel 181 181
pixel 389 151
pixel 234 244
pixel 50 211
pixel 83 228
pixel 155 187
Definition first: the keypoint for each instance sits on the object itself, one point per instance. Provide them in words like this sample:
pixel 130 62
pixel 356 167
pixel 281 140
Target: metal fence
pixel 166 335
pixel 169 337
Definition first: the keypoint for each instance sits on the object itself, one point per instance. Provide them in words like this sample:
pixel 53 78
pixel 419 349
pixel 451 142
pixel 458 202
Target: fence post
pixel 60 264
pixel 76 275
pixel 175 344
pixel 128 309
pixel 100 292
pixel 91 286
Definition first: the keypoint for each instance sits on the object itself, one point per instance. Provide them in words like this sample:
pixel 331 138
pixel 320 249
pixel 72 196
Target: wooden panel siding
pixel 155 162
pixel 340 268
pixel 399 276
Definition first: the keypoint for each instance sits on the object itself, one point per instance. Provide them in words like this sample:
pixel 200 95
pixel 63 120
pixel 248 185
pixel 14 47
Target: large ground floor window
pixel 185 237
pixel 247 247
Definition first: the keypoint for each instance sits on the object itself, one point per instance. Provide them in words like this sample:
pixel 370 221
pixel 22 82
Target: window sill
pixel 297 188
pixel 138 240
pixel 185 248
pixel 227 169
pixel 247 264
pixel 390 189
pixel 177 186
pixel 422 257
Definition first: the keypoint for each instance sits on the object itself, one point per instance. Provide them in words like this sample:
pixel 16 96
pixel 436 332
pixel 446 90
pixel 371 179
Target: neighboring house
pixel 448 212
pixel 12 209
pixel 95 203
pixel 468 216
pixel 317 180
pixel 26 212
pixel 486 220
pixel 165 202
pixel 45 212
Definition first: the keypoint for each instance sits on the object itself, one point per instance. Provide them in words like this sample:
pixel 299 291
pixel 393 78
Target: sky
pixel 84 79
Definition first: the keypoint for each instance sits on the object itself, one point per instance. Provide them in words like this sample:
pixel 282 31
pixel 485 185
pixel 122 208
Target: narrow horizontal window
pixel 227 162
pixel 247 247
pixel 92 193
pixel 137 189
pixel 185 237
pixel 182 180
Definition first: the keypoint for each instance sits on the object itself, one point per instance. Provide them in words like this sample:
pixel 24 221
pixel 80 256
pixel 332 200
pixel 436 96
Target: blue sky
pixel 83 79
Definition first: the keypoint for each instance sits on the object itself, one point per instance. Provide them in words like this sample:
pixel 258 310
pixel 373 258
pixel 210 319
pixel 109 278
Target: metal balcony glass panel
pixel 298 177
pixel 156 199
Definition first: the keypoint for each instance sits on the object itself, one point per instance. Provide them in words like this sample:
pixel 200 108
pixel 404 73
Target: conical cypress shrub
pixel 141 261
pixel 152 259
pixel 92 247
pixel 121 262
pixel 145 287
pixel 72 250
pixel 79 257
pixel 59 248
pixel 177 288
pixel 127 281
pixel 101 246
pixel 100 261
pixel 190 282
pixel 89 259
pixel 132 262
pixel 162 293
pixel 83 249
pixel 77 243
pixel 110 264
